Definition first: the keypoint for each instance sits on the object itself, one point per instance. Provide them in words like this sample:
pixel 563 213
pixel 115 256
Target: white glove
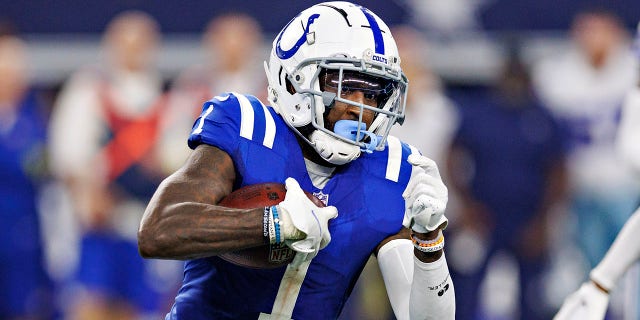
pixel 304 226
pixel 425 197
pixel 588 303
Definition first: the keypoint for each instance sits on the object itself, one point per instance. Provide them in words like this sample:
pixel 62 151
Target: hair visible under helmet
pixel 340 39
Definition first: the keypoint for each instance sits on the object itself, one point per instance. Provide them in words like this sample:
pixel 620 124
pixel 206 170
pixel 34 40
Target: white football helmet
pixel 347 47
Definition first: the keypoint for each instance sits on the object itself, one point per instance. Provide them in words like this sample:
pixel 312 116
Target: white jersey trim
pixel 247 121
pixel 395 158
pixel 246 117
pixel 269 128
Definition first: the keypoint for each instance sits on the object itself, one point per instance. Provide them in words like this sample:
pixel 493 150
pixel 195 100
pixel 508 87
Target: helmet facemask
pixel 333 79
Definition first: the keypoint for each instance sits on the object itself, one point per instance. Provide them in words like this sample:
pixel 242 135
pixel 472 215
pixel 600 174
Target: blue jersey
pixel 367 193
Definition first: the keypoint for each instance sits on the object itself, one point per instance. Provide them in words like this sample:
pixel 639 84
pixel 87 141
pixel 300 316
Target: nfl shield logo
pixel 323 197
pixel 279 252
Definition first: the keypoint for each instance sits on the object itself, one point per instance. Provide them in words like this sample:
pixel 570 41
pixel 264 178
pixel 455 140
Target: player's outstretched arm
pixel 591 300
pixel 182 220
pixel 415 271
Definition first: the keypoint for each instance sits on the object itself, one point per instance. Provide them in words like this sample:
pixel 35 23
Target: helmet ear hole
pixel 290 87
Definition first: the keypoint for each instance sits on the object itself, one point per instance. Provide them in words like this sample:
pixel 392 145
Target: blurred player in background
pixel 336 88
pixel 233 49
pixel 26 292
pixel 104 129
pixel 591 300
pixel 585 87
pixel 433 115
pixel 507 168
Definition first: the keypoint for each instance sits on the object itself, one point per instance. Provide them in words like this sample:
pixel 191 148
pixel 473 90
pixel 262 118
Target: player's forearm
pixel 416 289
pixel 432 292
pixel 180 223
pixel 194 230
pixel 624 251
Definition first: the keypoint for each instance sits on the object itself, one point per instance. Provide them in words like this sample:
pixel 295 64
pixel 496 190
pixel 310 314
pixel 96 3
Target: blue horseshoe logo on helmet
pixel 286 54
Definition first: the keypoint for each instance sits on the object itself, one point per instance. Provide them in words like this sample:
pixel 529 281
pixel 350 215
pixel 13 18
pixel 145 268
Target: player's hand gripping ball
pixel 305 225
pixel 256 196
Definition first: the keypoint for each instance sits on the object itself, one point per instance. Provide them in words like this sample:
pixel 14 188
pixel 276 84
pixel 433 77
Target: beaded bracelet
pixel 428 245
pixel 276 222
pixel 272 226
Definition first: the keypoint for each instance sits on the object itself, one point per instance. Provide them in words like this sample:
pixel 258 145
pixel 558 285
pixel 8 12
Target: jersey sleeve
pixel 218 124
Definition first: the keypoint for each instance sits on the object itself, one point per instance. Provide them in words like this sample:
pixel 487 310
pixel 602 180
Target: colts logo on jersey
pixel 323 197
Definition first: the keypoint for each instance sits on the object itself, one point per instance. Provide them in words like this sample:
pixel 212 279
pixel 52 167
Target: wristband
pixel 599 286
pixel 428 245
pixel 276 222
pixel 265 224
pixel 274 225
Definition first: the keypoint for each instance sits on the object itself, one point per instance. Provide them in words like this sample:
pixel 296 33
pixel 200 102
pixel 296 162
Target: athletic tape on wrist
pixel 428 245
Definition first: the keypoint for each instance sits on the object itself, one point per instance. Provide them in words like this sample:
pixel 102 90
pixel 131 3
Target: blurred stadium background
pixel 66 34
pixel 467 44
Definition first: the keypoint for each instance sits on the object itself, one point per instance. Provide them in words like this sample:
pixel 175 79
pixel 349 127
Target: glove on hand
pixel 304 225
pixel 587 303
pixel 425 197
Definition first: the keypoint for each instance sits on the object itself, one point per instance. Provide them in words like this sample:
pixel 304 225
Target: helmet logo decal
pixel 375 28
pixel 286 54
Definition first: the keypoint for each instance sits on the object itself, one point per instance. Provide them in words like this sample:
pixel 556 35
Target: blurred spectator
pixel 26 291
pixel 585 88
pixel 104 130
pixel 430 117
pixel 233 49
pixel 506 166
pixel 592 298
pixel 446 17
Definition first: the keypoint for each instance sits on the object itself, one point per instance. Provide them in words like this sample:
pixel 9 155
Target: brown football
pixel 256 196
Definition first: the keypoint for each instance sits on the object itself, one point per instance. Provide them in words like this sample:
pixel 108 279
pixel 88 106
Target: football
pixel 255 196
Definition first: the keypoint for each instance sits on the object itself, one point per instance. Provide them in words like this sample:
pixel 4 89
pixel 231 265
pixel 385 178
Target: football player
pixel 591 300
pixel 335 89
